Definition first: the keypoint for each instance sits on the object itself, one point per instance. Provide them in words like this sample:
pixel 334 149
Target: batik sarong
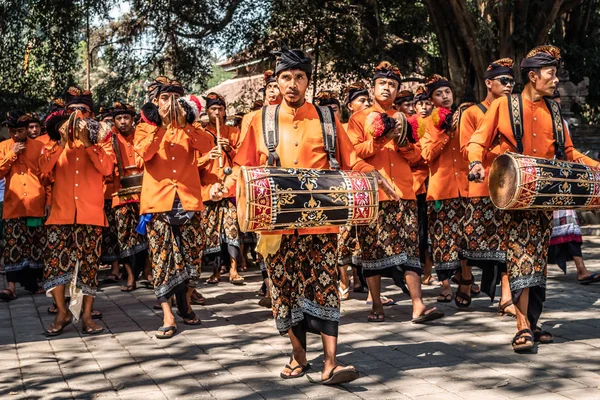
pixel 446 234
pixel 110 240
pixel 130 242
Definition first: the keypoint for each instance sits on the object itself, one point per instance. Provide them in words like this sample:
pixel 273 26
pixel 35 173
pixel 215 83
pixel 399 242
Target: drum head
pixel 241 200
pixel 503 182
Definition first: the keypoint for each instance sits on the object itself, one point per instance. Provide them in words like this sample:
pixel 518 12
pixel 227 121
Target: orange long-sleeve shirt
pixel 25 193
pixel 132 163
pixel 469 122
pixel 538 136
pixel 300 146
pixel 391 161
pixel 170 166
pixel 210 172
pixel 448 170
pixel 78 193
pixel 421 169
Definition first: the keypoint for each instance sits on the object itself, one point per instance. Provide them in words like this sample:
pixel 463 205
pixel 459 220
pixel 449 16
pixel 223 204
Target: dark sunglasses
pixel 82 109
pixel 504 80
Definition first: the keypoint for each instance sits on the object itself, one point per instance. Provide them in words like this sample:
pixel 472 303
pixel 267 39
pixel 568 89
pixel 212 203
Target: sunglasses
pixel 82 109
pixel 504 81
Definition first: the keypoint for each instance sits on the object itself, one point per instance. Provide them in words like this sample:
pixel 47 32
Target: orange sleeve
pixel 103 157
pixel 468 124
pixel 200 139
pixel 365 147
pixel 147 140
pixel 49 156
pixel 433 142
pixel 247 155
pixel 7 158
pixel 345 153
pixel 483 136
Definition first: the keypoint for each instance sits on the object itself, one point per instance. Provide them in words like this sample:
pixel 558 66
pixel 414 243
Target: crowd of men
pixel 72 201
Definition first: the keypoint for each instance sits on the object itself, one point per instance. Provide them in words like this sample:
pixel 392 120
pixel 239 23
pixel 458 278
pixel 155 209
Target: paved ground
pixel 237 354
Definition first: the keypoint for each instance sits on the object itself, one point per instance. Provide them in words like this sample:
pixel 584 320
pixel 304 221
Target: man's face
pixel 500 85
pixel 18 134
pixel 124 124
pixel 424 108
pixel 360 103
pixel 407 108
pixel 293 84
pixel 442 97
pixel 337 111
pixel 33 130
pixel 85 110
pixel 272 93
pixel 546 82
pixel 386 90
pixel 214 112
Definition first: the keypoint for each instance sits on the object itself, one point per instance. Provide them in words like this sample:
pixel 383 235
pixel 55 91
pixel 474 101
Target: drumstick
pixel 227 170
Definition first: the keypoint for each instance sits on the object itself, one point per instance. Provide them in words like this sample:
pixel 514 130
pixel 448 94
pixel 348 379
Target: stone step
pixel 590 230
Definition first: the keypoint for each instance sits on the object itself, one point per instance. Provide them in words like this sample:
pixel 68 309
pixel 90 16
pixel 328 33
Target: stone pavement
pixel 237 354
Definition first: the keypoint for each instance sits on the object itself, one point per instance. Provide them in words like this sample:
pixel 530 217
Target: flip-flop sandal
pixel 445 298
pixel 502 309
pixel 165 330
pixel 303 370
pixel 428 316
pixel 238 281
pixel 48 333
pixel 95 314
pixel 212 281
pixel 198 301
pixel 360 289
pixel 376 317
pixel 538 336
pixel 466 298
pixel 529 344
pixel 190 319
pixel 88 330
pixel 7 295
pixel 128 288
pixel 344 293
pixel 593 278
pixel 146 284
pixel 339 377
pixel 266 302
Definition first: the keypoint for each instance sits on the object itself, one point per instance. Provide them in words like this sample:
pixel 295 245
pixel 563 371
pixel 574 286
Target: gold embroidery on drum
pixel 339 194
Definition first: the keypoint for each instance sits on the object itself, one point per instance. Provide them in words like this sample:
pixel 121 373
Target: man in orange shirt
pixel 74 226
pixel 390 247
pixel 448 187
pixel 131 245
pixel 418 121
pixel 483 243
pixel 303 270
pixel 526 233
pixel 405 102
pixel 220 217
pixel 272 96
pixel 329 98
pixel 24 206
pixel 168 139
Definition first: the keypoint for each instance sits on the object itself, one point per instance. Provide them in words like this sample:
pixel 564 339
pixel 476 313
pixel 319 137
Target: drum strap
pixel 557 128
pixel 328 128
pixel 515 105
pixel 270 121
pixel 482 108
pixel 117 150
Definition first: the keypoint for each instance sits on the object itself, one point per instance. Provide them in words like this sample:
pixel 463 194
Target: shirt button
pixel 24 194
pixel 172 144
pixel 77 185
pixel 295 126
pixel 77 159
pixel 77 172
pixel 455 160
pixel 295 161
pixel 391 164
pixel 534 135
pixel 172 158
pixel 535 118
pixel 76 198
pixel 456 173
pixel 21 173
pixel 174 171
pixel 295 143
pixel 453 148
pixel 534 150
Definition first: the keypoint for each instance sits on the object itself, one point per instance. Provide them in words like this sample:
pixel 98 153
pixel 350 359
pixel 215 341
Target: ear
pixel 532 75
pixel 488 83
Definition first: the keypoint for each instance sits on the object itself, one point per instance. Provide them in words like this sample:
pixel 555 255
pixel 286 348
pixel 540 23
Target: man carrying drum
pixel 529 124
pixel 303 268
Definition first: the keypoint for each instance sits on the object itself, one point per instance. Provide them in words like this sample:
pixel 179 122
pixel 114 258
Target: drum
pixel 131 186
pixel 520 182
pixel 288 198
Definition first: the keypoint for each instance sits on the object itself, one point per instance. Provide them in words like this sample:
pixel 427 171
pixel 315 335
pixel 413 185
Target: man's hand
pixel 225 144
pixel 214 153
pixel 385 186
pixel 83 133
pixel 181 115
pixel 165 114
pixel 18 147
pixel 217 190
pixel 478 172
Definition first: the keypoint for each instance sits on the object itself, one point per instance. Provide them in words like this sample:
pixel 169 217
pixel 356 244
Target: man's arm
pixel 49 156
pixel 147 140
pixel 102 156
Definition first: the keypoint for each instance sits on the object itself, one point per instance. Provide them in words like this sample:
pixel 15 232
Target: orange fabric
pixel 391 161
pixel 247 120
pixel 170 166
pixel 300 146
pixel 421 169
pixel 43 138
pixel 469 122
pixel 25 193
pixel 210 172
pixel 538 137
pixel 129 158
pixel 79 172
pixel 448 170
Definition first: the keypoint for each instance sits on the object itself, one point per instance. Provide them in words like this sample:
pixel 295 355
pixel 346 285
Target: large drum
pixel 520 182
pixel 131 186
pixel 289 198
